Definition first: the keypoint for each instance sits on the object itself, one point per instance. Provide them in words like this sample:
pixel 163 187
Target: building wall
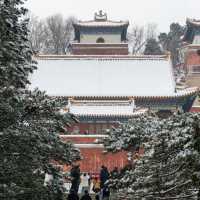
pixel 192 66
pixel 94 158
pixel 91 127
pixel 100 51
pixel 90 133
pixel 196 39
pixel 193 80
pixel 94 155
pixel 192 57
pixel 195 109
pixel 192 61
pixel 92 38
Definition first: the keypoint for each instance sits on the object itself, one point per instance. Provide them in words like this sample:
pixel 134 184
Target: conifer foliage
pixel 169 167
pixel 30 121
pixel 152 47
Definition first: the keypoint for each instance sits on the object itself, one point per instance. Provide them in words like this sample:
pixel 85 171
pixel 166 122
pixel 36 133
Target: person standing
pixel 115 173
pixel 96 188
pixel 86 196
pixel 75 175
pixel 85 182
pixel 104 176
pixel 105 193
pixel 73 195
pixel 96 185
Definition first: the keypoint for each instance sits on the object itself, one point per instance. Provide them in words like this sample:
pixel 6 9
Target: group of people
pixel 99 186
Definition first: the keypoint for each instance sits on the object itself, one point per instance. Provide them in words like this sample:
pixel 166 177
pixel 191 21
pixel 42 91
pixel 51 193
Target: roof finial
pixel 101 16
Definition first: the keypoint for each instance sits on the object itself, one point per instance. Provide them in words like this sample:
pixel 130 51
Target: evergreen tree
pixel 152 47
pixel 30 121
pixel 169 168
pixel 171 41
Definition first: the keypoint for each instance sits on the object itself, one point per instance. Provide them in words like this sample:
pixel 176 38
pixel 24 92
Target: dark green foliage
pixel 169 168
pixel 172 41
pixel 152 47
pixel 30 122
pixel 130 135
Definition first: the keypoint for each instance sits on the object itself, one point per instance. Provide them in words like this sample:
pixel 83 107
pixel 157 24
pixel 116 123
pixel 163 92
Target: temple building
pixel 104 85
pixel 190 56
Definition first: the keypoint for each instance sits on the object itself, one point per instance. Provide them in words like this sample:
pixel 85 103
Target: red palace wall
pixel 195 109
pixel 93 155
pixel 192 58
pixel 193 79
pixel 90 128
pixel 94 158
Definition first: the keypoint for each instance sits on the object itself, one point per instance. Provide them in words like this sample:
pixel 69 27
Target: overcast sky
pixel 141 12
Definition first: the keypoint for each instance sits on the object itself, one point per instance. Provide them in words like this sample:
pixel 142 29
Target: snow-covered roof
pixel 104 108
pixel 106 23
pixel 101 20
pixel 104 76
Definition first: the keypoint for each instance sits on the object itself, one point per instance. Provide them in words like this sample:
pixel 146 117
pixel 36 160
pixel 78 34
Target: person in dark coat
pixel 86 196
pixel 73 195
pixel 106 193
pixel 97 197
pixel 104 175
pixel 75 175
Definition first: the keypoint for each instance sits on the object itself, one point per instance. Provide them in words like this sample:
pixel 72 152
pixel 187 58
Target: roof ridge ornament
pixel 192 21
pixel 100 16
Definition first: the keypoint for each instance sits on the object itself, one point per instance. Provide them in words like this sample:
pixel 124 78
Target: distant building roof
pixel 104 76
pixel 193 22
pixel 192 33
pixel 100 20
pixel 100 24
pixel 107 23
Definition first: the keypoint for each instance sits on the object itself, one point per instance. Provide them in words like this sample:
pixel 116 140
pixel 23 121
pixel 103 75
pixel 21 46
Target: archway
pixel 100 40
